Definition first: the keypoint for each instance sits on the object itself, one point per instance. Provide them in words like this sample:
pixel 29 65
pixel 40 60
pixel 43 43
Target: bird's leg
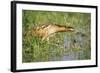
pixel 45 38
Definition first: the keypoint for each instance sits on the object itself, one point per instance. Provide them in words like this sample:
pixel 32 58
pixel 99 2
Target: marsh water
pixel 73 48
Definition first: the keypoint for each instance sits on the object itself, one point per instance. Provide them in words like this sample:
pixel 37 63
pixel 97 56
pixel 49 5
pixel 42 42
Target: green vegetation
pixel 35 50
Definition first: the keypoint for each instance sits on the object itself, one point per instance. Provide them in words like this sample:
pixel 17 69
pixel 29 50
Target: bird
pixel 46 30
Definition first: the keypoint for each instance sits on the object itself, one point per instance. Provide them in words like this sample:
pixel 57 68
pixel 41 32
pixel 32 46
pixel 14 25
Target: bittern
pixel 44 31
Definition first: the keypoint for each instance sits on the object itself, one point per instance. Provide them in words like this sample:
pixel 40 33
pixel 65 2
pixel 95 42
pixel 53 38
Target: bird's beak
pixel 72 29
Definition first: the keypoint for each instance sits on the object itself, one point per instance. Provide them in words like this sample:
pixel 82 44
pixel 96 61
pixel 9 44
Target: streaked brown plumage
pixel 44 31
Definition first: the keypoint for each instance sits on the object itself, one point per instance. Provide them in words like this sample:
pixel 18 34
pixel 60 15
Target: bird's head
pixel 70 29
